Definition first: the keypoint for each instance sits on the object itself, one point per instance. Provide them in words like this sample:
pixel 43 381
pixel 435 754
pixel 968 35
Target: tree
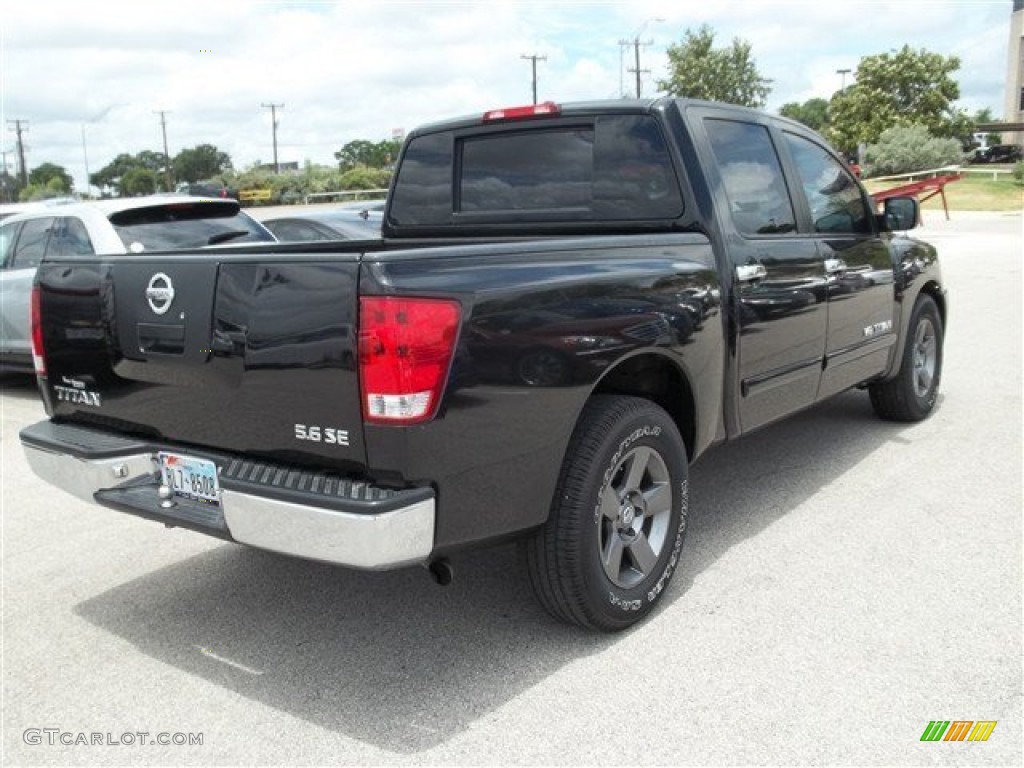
pixel 10 187
pixel 905 87
pixel 54 187
pixel 203 161
pixel 138 181
pixel 365 178
pixel 698 70
pixel 813 113
pixel 905 149
pixel 110 176
pixel 43 175
pixel 368 154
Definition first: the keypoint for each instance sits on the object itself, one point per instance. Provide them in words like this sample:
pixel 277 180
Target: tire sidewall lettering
pixel 629 601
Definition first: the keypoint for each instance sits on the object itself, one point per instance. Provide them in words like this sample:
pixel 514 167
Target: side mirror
pixel 902 213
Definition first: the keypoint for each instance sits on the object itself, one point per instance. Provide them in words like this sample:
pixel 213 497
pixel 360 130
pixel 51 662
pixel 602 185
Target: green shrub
pixel 312 179
pixel 906 149
pixel 1018 172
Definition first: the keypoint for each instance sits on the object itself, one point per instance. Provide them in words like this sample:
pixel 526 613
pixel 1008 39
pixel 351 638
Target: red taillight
pixel 38 359
pixel 516 113
pixel 405 348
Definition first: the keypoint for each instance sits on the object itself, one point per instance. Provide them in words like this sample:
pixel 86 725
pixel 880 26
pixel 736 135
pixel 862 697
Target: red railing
pixel 934 186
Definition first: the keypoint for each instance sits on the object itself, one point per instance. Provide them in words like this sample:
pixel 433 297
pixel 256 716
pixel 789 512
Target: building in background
pixel 1014 104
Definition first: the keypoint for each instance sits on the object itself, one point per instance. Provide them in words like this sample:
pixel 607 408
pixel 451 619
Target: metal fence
pixel 347 194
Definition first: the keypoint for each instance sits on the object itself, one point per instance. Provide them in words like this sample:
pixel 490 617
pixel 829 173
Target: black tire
pixel 618 519
pixel 911 395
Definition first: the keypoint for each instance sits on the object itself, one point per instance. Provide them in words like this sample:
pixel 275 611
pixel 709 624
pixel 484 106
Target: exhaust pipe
pixel 441 571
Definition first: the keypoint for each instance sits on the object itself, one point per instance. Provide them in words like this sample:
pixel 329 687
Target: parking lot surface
pixel 845 581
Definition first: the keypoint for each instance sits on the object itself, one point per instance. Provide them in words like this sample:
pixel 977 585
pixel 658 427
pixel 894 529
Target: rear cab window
pixel 590 168
pixel 185 225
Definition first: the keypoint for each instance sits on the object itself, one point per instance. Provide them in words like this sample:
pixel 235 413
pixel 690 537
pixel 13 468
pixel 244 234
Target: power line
pixel 273 119
pixel 533 59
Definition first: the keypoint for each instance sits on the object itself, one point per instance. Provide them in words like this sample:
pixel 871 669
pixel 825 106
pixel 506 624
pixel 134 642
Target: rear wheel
pixel 911 395
pixel 618 520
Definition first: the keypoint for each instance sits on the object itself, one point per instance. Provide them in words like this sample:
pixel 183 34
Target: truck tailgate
pixel 229 352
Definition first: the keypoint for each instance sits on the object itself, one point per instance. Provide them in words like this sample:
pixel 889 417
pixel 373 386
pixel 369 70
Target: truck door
pixel 779 285
pixel 858 266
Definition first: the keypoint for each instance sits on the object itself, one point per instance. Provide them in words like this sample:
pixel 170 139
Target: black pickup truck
pixel 568 306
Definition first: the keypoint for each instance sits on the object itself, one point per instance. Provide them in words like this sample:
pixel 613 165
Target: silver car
pixel 122 226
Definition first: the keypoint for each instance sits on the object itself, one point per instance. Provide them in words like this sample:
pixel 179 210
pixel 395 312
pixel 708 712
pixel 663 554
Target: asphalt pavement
pixel 845 582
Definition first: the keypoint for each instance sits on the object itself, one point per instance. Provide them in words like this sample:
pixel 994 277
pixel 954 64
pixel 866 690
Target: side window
pixel 750 169
pixel 70 238
pixel 8 236
pixel 835 199
pixel 31 245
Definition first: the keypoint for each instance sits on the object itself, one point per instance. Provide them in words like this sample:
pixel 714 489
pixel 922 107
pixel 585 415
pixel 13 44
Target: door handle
pixel 746 273
pixel 832 266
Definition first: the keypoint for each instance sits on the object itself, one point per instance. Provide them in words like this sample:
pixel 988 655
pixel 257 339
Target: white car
pixel 121 226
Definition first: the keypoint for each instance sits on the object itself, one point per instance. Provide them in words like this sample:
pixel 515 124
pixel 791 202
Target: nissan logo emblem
pixel 160 293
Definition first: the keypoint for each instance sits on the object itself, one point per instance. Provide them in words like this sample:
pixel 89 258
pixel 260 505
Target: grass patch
pixel 972 193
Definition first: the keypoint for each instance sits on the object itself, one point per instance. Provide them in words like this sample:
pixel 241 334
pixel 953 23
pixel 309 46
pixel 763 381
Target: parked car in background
pixel 135 225
pixel 11 209
pixel 1000 153
pixel 327 224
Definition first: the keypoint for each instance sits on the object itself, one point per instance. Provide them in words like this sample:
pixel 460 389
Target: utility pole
pixel 533 59
pixel 167 157
pixel 85 156
pixel 637 44
pixel 273 119
pixel 22 169
pixel 4 195
pixel 844 73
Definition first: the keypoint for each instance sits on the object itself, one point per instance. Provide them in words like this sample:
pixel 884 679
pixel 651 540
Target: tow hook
pixel 441 571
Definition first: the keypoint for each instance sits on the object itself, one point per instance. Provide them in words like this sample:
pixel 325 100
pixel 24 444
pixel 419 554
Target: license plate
pixel 190 477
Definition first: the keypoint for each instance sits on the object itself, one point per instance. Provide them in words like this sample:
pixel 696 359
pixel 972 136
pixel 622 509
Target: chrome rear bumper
pixel 375 530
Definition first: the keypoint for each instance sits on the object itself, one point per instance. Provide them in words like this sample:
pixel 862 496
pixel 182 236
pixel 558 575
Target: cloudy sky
pixel 348 70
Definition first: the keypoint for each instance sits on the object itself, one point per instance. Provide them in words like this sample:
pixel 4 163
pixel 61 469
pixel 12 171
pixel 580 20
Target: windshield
pixel 187 225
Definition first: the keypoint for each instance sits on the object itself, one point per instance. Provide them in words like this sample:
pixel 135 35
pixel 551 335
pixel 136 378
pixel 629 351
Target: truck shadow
pixel 393 660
